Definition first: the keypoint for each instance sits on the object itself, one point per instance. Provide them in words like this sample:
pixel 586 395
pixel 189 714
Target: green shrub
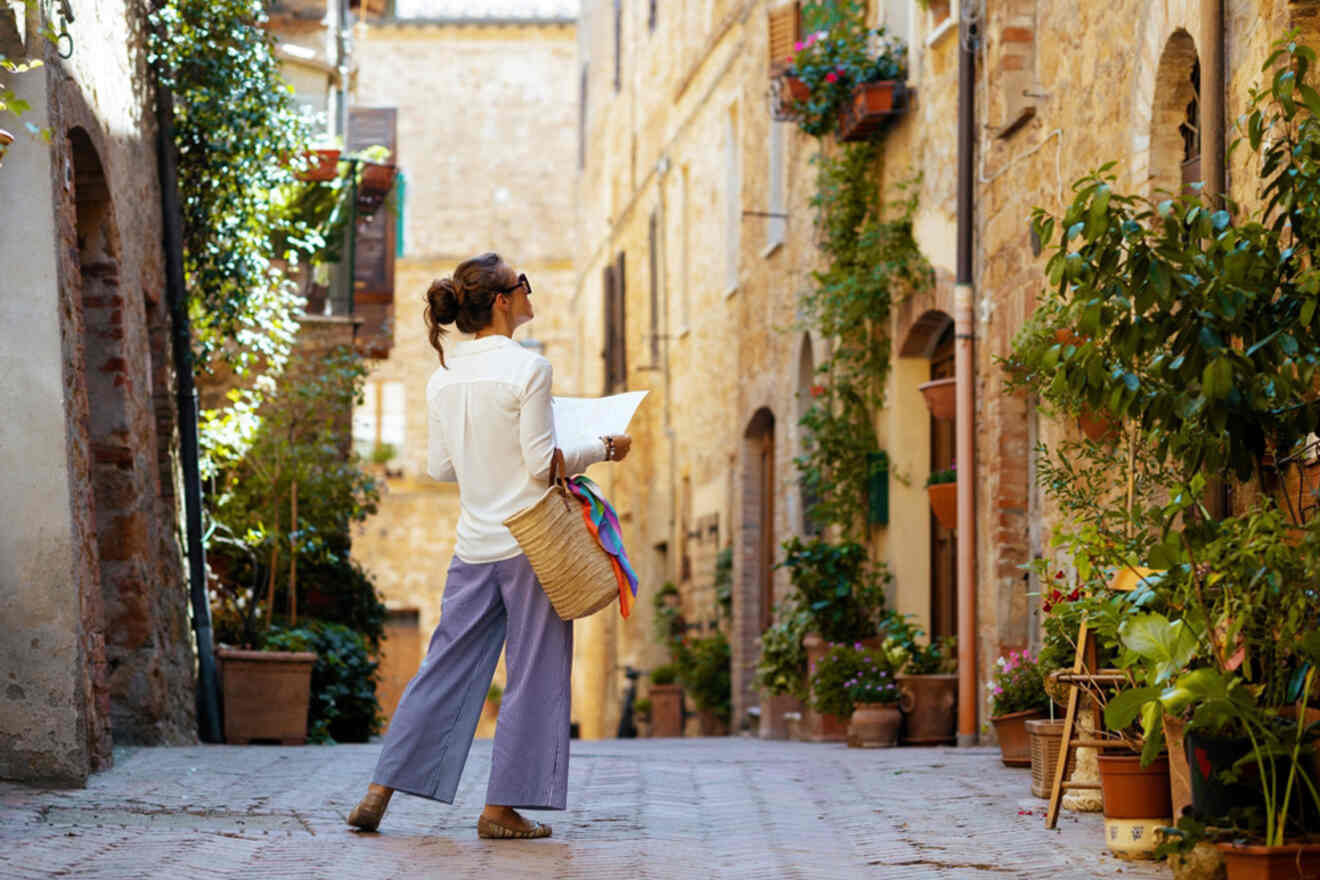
pixel 783 665
pixel 666 674
pixel 839 586
pixel 703 669
pixel 642 709
pixel 1017 685
pixel 344 706
pixel 873 682
pixel 834 676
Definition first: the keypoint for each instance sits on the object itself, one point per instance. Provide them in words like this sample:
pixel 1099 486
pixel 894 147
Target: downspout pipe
pixel 208 706
pixel 965 371
pixel 1213 149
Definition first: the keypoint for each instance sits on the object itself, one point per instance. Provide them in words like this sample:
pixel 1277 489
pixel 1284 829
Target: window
pixel 653 245
pixel 618 44
pixel 733 201
pixel 776 225
pixel 582 119
pixel 381 420
pixel 615 354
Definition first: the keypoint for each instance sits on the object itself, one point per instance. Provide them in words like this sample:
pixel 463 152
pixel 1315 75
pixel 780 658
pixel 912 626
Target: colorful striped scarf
pixel 603 523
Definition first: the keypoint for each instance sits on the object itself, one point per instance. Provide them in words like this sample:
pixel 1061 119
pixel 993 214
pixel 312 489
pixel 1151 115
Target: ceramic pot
pixel 1011 731
pixel 941 398
pixel 874 726
pixel 1289 862
pixel 1136 803
pixel 321 165
pixel 928 703
pixel 266 695
pixel 818 726
pixel 666 710
pixel 944 503
pixel 1046 739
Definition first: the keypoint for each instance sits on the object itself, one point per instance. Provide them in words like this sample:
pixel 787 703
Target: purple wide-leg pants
pixel 431 731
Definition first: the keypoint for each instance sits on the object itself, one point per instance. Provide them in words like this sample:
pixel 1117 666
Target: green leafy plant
pixel 937 478
pixel 783 664
pixel 642 708
pixel 495 694
pixel 666 674
pixel 870 262
pixel 1017 685
pixel 839 586
pixel 835 674
pixel 724 581
pixel 704 671
pixel 344 706
pixel 873 682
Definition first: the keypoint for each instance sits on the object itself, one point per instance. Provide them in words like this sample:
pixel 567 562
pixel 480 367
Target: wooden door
pixel 767 530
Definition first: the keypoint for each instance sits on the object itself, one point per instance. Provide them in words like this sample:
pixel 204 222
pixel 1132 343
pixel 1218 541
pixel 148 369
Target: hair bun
pixel 442 298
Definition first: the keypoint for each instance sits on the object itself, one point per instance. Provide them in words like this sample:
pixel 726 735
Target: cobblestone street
pixel 693 808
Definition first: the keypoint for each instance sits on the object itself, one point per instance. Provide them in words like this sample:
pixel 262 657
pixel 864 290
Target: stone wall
pixel 97 633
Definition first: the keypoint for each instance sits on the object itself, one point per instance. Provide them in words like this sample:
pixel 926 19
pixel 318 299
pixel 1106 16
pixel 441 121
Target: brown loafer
pixel 495 831
pixel 368 813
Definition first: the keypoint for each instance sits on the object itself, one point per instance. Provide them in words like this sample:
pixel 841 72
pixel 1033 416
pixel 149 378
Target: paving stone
pixel 682 808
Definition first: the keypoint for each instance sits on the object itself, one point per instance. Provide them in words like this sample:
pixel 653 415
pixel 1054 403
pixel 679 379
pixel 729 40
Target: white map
pixel 581 420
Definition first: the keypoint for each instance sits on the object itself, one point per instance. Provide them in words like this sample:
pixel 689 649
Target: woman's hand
pixel 622 443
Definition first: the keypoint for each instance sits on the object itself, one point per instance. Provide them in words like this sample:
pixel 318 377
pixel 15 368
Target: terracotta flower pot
pixel 377 179
pixel 941 398
pixel 266 695
pixel 321 165
pixel 1296 861
pixel 871 108
pixel 819 726
pixel 1096 426
pixel 666 710
pixel 944 503
pixel 1132 791
pixel 711 724
pixel 928 703
pixel 1011 731
pixel 791 91
pixel 874 726
pixel 1046 739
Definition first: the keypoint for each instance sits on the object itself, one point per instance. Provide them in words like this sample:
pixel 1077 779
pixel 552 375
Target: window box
pixel 873 106
pixel 788 91
pixel 321 165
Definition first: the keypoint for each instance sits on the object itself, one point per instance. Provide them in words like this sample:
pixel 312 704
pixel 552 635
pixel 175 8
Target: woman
pixel 491 431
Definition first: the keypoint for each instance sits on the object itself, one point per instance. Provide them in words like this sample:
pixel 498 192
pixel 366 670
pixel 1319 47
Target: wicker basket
pixel 1046 738
pixel 575 572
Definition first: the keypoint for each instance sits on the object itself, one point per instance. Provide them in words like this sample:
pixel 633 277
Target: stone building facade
pixel 680 164
pixel 94 628
pixel 486 109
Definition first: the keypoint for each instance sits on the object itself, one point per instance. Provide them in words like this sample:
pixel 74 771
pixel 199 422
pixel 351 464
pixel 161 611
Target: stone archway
pixel 1175 138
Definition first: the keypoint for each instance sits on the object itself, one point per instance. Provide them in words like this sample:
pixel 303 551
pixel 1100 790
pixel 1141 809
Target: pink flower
pixel 799 46
pixel 831 77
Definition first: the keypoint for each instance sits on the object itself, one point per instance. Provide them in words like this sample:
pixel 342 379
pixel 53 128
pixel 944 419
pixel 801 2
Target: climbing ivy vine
pixel 871 260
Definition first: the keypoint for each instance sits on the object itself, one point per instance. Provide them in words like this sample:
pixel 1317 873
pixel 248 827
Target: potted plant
pixel 832 680
pixel 927 683
pixel 942 489
pixel 343 705
pixel 704 670
pixel 491 707
pixel 666 702
pixel 876 718
pixel 880 93
pixel 1017 693
pixel 642 711
pixel 322 163
pixel 941 397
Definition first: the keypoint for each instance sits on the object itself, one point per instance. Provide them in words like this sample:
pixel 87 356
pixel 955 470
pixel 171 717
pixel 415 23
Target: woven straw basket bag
pixel 573 569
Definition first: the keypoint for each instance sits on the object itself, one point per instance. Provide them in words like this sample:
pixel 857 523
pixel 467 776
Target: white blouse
pixel 492 432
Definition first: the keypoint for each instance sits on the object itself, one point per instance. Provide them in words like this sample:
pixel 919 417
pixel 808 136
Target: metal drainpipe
pixel 1212 101
pixel 965 370
pixel 208 709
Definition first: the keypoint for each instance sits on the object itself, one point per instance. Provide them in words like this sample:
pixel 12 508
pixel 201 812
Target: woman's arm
pixel 536 426
pixel 438 463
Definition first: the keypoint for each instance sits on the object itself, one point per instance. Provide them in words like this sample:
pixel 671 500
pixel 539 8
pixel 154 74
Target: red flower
pixel 1075 594
pixel 831 77
pixel 1058 575
pixel 817 390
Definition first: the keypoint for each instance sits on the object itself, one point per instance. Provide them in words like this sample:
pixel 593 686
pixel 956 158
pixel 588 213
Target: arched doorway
pixel 1175 136
pixel 753 604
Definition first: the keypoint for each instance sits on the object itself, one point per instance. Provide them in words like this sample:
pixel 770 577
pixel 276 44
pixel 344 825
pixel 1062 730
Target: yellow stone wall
pixel 1089 71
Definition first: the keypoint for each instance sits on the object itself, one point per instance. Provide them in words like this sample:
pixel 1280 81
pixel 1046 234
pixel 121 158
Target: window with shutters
pixel 776 225
pixel 1017 66
pixel 732 201
pixel 582 118
pixel 618 44
pixel 615 354
pixel 785 23
pixel 653 247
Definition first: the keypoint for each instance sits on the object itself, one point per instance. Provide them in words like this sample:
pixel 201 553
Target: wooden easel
pixel 1084 671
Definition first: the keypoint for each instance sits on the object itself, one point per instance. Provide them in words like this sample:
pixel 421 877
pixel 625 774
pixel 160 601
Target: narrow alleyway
pixel 646 808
